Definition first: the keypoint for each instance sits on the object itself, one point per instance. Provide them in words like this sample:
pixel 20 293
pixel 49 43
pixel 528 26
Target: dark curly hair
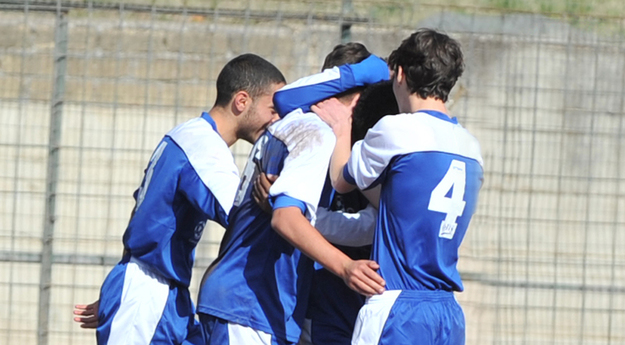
pixel 431 61
pixel 375 102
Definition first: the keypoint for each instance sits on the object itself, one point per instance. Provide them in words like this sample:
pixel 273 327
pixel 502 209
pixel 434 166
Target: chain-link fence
pixel 87 89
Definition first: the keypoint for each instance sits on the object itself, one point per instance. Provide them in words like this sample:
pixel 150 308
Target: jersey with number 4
pixel 430 171
pixel 191 178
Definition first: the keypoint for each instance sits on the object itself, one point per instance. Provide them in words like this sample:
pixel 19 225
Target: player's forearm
pixel 339 159
pixel 297 230
pixel 347 229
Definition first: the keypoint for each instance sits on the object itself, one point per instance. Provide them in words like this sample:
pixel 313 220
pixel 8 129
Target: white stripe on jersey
pixel 325 76
pixel 372 317
pixel 310 143
pixel 395 135
pixel 204 146
pixel 239 334
pixel 127 327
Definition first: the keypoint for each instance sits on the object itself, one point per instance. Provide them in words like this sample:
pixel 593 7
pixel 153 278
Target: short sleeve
pixel 310 143
pixel 371 156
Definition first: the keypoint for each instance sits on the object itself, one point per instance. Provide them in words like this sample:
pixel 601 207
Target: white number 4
pixel 455 180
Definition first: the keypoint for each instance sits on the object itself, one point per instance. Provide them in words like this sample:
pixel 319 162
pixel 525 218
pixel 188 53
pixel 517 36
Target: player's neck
pixel 415 103
pixel 226 127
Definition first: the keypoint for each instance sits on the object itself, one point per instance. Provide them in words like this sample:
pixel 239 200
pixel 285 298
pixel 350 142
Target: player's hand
pixel 260 192
pixel 336 114
pixel 361 276
pixel 88 314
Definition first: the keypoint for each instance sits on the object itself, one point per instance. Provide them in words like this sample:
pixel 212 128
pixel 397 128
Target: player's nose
pixel 274 118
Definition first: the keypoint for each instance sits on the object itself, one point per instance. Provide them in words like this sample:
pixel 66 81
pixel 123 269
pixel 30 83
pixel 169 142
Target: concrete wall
pixel 541 263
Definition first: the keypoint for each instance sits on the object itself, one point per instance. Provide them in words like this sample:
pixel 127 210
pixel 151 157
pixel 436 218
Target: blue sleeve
pixel 283 200
pixel 200 197
pixel 308 91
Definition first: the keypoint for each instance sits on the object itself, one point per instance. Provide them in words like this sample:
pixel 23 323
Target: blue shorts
pixel 222 332
pixel 410 317
pixel 138 306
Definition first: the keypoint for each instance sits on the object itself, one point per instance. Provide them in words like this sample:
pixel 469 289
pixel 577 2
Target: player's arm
pixel 347 229
pixel 359 275
pixel 295 196
pixel 87 314
pixel 338 116
pixel 361 165
pixel 309 90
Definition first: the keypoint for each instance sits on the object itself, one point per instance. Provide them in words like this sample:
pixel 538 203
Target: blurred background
pixel 88 88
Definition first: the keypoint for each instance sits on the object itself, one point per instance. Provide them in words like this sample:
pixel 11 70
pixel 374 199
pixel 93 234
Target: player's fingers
pixel 257 198
pixel 264 183
pixel 362 288
pixel 90 325
pixel 83 312
pixel 354 101
pixel 256 188
pixel 372 283
pixel 373 274
pixel 272 178
pixel 369 276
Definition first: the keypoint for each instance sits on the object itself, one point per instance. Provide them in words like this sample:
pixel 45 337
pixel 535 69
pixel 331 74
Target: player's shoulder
pixel 198 135
pixel 302 128
pixel 392 128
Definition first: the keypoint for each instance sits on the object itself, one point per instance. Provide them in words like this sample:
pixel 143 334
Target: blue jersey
pixel 190 179
pixel 430 171
pixel 259 279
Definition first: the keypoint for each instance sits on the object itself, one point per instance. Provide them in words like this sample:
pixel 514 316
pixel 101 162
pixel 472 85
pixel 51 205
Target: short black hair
pixel 348 53
pixel 376 101
pixel 247 72
pixel 432 63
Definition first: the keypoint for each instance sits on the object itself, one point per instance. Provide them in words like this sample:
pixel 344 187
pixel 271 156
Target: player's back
pixel 428 195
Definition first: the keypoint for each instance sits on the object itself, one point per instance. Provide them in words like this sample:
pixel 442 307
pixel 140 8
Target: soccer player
pixel 332 306
pixel 429 172
pixel 256 290
pixel 191 178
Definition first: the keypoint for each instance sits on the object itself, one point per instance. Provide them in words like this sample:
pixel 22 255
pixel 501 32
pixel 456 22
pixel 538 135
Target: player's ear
pixel 399 75
pixel 241 101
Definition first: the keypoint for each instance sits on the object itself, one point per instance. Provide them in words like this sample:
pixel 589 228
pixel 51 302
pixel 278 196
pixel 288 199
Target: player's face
pixel 261 114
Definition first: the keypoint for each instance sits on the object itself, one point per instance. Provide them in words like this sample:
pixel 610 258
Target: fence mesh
pixel 89 88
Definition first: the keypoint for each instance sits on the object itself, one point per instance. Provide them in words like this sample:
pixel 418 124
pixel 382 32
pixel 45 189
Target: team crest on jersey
pixel 197 231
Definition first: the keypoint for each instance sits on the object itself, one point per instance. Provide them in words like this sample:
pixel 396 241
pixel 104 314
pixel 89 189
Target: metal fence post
pixel 346 27
pixel 56 115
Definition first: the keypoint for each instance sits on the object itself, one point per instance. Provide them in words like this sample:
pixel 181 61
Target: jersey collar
pixel 206 116
pixel 439 115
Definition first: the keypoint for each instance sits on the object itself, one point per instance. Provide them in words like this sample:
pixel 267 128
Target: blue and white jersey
pixel 307 91
pixel 259 279
pixel 430 170
pixel 190 179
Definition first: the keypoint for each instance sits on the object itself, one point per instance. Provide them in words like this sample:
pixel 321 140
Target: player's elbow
pixel 342 186
pixel 280 219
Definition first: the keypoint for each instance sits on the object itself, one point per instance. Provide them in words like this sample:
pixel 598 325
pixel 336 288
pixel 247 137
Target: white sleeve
pixel 347 229
pixel 310 143
pixel 371 155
